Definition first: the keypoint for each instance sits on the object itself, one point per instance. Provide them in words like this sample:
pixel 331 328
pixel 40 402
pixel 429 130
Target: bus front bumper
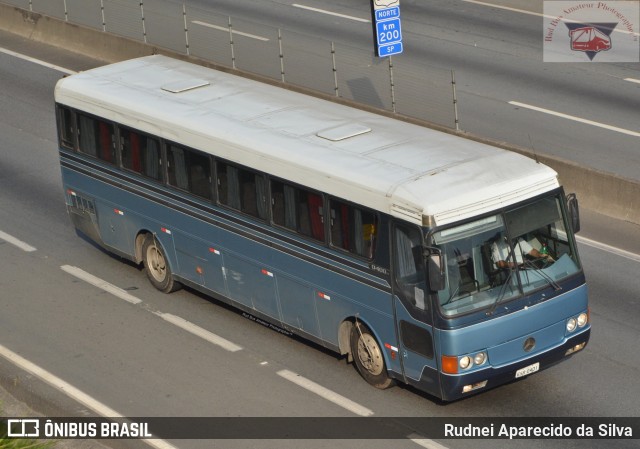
pixel 458 386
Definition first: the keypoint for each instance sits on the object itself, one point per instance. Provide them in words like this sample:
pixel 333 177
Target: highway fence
pixel 114 30
pixel 346 71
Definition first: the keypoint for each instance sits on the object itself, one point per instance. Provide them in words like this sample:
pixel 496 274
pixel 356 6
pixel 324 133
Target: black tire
pixel 156 266
pixel 368 357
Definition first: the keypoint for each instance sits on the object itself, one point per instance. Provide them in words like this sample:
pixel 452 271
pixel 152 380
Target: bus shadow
pixel 108 252
pixel 304 342
pixel 264 322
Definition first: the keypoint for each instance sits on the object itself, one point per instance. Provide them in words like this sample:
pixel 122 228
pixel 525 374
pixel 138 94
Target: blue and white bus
pixel 375 238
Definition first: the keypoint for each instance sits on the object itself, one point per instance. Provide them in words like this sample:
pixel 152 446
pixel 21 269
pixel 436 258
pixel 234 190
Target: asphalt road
pixel 588 113
pixel 496 51
pixel 132 359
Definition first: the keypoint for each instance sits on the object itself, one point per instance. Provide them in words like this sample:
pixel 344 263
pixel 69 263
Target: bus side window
pixel 199 174
pixel 297 209
pixel 409 268
pixel 353 229
pixel 283 204
pixel 189 170
pixel 242 190
pixel 311 215
pixel 253 194
pixel 96 138
pixel 140 153
pixel 66 127
pixel 177 168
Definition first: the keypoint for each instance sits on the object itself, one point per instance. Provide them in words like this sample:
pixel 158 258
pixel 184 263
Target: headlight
pixel 582 319
pixel 465 362
pixel 571 324
pixel 480 358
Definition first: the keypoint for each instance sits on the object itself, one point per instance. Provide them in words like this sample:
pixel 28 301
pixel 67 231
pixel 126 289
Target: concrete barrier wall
pixel 599 191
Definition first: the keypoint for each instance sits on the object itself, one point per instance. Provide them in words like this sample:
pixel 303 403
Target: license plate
pixel 528 370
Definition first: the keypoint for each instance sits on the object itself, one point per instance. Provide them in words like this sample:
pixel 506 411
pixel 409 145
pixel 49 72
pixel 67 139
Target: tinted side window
pixel 298 209
pixel 189 170
pixel 140 153
pixel 96 138
pixel 353 229
pixel 66 127
pixel 409 269
pixel 242 190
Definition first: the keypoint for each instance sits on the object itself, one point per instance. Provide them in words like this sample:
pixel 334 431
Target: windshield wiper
pixel 455 292
pixel 503 287
pixel 543 275
pixel 503 290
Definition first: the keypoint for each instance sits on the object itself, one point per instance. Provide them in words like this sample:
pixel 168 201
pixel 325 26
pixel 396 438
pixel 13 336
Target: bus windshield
pixel 504 256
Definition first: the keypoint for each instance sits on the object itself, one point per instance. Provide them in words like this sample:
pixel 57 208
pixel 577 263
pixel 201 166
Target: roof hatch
pixel 342 132
pixel 177 87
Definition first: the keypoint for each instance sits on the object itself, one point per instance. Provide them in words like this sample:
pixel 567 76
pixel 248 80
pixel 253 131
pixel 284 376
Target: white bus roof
pixel 408 171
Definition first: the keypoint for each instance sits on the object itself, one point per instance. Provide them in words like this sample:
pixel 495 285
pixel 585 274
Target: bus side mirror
pixel 574 212
pixel 435 267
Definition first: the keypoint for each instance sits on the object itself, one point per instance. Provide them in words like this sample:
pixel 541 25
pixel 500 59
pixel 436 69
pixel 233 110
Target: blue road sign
pixel 387 13
pixel 386 26
pixel 388 32
pixel 389 50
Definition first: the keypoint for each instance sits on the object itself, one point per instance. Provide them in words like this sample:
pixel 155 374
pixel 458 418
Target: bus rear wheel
pixel 156 266
pixel 368 357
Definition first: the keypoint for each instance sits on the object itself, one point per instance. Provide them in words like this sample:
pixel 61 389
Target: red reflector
pixel 392 348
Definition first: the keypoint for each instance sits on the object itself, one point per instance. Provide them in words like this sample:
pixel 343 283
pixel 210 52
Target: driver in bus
pixel 502 257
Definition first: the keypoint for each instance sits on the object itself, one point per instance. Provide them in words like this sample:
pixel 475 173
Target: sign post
pixel 386 27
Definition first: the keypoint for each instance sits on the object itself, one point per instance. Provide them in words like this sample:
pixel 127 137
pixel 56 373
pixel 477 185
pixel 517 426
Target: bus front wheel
pixel 368 357
pixel 156 266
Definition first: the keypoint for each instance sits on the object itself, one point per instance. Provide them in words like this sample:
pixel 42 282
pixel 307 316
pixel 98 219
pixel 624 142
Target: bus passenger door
pixel 413 310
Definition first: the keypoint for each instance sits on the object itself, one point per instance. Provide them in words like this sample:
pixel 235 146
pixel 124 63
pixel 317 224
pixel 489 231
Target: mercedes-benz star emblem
pixel 529 344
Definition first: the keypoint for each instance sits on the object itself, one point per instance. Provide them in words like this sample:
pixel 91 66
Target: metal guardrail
pixel 396 85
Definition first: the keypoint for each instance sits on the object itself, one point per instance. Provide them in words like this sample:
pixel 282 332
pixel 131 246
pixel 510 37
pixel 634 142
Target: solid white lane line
pixel 425 442
pixel 17 243
pixel 37 61
pixel 632 80
pixel 72 391
pixel 576 119
pixel 226 29
pixel 331 13
pixel 325 393
pixel 100 283
pixel 200 332
pixel 610 249
pixel 507 8
pixel 523 11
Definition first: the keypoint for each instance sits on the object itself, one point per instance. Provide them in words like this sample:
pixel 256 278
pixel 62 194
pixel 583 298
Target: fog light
pixel 468 388
pixel 576 348
pixel 571 324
